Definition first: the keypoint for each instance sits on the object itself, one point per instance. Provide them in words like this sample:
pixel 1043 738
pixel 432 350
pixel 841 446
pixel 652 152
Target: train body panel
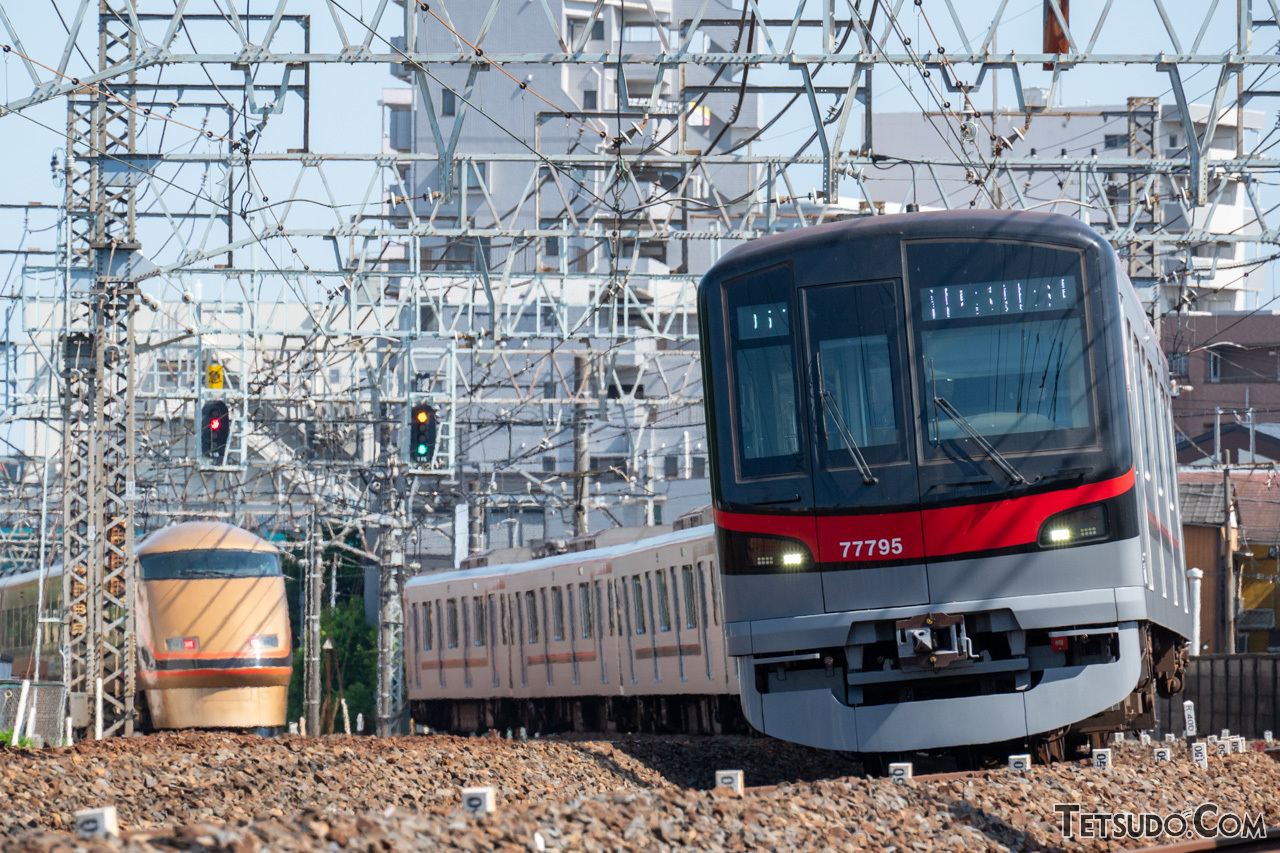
pixel 18 615
pixel 944 491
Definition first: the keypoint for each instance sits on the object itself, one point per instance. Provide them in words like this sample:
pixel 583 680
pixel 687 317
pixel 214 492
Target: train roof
pixel 566 559
pixel 203 535
pixel 970 224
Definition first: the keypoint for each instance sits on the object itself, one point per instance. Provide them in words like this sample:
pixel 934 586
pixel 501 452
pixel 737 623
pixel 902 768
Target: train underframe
pixel 677 714
pixel 1164 663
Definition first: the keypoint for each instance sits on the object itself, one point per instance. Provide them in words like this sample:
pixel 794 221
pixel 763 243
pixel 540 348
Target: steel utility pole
pixel 98 350
pixel 312 594
pixel 581 459
pixel 391 622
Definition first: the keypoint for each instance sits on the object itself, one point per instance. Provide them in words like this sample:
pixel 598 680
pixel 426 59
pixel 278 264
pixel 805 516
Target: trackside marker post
pixel 91 823
pixel 1102 759
pixel 1189 718
pixel 1020 763
pixel 1163 754
pixel 900 772
pixel 730 780
pixel 478 801
pixel 1200 753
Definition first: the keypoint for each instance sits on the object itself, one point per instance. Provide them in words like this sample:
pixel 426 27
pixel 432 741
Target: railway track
pixel 225 792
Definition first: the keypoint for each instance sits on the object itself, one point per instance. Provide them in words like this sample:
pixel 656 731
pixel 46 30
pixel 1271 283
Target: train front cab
pixel 933 525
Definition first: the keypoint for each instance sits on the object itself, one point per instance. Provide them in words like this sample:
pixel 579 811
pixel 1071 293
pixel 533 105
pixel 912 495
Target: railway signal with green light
pixel 422 435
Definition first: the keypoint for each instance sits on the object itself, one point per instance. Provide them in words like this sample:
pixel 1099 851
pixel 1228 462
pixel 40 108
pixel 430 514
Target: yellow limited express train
pixel 214 647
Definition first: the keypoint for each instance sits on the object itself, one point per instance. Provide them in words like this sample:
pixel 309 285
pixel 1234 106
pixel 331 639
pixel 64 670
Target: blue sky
pixel 346 116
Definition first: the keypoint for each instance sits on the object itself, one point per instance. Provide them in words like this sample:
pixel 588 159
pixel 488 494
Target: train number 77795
pixel 874 547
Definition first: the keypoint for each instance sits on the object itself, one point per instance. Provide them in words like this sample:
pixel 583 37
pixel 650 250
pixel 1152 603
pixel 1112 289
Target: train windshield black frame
pixel 209 563
pixel 1001 334
pixel 768 437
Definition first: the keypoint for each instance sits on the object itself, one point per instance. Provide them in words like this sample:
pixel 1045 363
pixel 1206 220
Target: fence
pixel 49 701
pixel 1236 692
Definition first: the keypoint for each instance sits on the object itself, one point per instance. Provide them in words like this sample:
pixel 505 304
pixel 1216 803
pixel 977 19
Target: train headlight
pixel 1075 527
pixel 774 552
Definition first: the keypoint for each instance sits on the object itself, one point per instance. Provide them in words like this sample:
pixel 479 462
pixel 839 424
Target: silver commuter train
pixel 944 485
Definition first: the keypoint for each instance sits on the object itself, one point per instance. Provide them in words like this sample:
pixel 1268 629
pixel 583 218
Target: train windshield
pixel 1001 347
pixel 853 336
pixel 764 370
pixel 209 563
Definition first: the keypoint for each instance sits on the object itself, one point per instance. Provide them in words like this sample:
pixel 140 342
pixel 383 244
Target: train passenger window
pixel 664 608
pixel 1001 346
pixel 502 618
pixel 854 347
pixel 613 604
pixel 531 612
pixel 715 598
pixel 584 606
pixel 428 629
pixel 413 624
pixel 451 609
pixel 637 593
pixel 557 613
pixel 479 622
pixel 763 362
pixel 690 605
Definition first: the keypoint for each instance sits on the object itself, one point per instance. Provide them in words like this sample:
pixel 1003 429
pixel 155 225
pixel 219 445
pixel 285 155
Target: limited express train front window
pixel 1001 347
pixel 209 563
pixel 764 374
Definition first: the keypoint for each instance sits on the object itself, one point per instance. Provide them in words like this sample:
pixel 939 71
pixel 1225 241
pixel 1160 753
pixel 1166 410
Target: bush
pixel 6 738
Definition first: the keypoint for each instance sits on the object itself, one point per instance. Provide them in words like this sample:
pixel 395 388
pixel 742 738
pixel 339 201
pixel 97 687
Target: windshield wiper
pixel 863 468
pixel 996 456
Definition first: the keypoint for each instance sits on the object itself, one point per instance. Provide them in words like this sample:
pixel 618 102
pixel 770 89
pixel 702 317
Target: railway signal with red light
pixel 215 429
pixel 422 434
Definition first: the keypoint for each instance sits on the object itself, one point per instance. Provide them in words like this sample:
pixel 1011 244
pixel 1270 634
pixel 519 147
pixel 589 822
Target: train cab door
pixel 865 491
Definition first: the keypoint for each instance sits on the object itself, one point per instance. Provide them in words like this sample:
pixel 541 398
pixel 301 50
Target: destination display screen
pixel 999 298
pixel 769 320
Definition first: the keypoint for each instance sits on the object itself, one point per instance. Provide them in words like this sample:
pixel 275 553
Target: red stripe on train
pixel 985 526
pixel 1167 535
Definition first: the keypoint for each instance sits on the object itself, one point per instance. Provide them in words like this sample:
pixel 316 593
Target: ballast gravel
pixel 242 794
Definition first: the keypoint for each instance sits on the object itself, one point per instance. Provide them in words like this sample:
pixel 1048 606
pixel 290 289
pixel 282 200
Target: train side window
pixel 413 622
pixel 557 612
pixel 612 606
pixel 502 618
pixel 427 628
pixel 715 597
pixel 637 593
pixel 531 611
pixel 690 606
pixel 664 607
pixel 451 609
pixel 479 622
pixel 763 363
pixel 584 605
